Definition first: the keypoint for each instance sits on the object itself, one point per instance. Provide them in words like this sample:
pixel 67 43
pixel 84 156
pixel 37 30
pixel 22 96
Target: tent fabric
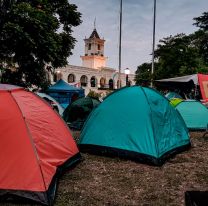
pixel 62 92
pixel 175 101
pixel 203 83
pixel 63 86
pixel 77 113
pixel 187 78
pixel 136 123
pixel 194 113
pixel 188 83
pixel 35 145
pixel 171 95
pixel 60 108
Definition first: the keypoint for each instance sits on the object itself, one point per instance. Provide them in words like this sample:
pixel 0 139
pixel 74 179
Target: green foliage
pixel 35 34
pixel 179 55
pixel 143 76
pixel 202 21
pixel 94 94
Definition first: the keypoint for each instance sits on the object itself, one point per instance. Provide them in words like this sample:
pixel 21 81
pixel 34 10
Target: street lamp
pixel 127 72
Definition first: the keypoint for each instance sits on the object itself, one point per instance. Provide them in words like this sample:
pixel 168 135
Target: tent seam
pixel 157 151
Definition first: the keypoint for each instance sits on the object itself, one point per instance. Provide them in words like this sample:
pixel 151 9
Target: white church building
pixel 93 74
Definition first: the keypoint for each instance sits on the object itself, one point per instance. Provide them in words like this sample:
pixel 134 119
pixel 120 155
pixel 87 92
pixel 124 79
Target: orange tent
pixel 35 146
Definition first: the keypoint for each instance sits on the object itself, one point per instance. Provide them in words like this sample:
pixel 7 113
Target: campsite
pixel 105 181
pixel 133 161
pixel 103 103
pixel 118 182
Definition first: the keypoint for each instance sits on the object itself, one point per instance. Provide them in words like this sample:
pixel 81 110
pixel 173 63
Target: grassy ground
pixel 107 181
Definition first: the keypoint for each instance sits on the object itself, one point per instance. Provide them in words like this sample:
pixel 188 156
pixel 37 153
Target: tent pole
pixel 120 33
pixel 153 44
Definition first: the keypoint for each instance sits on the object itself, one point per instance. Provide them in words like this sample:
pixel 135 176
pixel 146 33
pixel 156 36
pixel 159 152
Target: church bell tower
pixel 94 51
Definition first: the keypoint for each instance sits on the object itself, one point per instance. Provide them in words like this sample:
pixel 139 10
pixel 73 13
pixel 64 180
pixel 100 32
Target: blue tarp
pixel 62 92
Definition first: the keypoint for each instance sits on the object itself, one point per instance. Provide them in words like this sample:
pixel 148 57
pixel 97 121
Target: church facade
pixel 93 74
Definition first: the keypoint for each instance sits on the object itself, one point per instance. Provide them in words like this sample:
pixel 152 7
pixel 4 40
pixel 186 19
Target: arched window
pixel 93 81
pixel 111 84
pixel 71 78
pixel 83 80
pixel 57 76
pixel 118 86
pixel 102 82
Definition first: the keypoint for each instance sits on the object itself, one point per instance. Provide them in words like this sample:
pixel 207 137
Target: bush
pixel 94 94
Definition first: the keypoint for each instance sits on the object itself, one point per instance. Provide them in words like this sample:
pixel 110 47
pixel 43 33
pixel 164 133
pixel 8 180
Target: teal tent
pixel 62 92
pixel 78 111
pixel 194 113
pixel 171 95
pixel 136 123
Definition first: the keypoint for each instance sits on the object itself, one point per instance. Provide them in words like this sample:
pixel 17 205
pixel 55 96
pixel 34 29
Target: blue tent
pixel 135 123
pixel 171 95
pixel 194 113
pixel 63 92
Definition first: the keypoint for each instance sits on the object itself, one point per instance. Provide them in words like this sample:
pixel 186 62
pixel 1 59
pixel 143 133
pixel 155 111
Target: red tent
pixel 35 146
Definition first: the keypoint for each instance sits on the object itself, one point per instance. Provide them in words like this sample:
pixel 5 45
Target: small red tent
pixel 35 146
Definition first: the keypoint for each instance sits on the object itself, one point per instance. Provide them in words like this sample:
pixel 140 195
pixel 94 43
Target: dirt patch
pixel 112 181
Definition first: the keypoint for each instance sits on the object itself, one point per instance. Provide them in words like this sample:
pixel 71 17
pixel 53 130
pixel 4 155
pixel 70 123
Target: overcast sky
pixel 173 16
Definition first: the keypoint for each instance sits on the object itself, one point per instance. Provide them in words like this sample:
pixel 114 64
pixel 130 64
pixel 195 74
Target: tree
pixel 35 36
pixel 180 54
pixel 175 56
pixel 94 94
pixel 143 74
pixel 202 23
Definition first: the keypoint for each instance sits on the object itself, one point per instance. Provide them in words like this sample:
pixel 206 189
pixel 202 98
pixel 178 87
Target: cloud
pixel 175 16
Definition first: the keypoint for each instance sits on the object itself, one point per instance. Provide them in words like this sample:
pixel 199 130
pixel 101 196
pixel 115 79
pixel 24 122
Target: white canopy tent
pixel 195 85
pixel 183 79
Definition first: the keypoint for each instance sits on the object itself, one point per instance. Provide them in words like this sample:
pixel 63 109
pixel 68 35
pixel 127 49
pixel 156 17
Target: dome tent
pixel 52 102
pixel 135 123
pixel 78 111
pixel 172 95
pixel 35 146
pixel 175 101
pixel 62 92
pixel 194 113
